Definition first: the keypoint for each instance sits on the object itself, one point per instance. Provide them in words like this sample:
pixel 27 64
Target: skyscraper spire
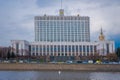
pixel 101 37
pixel 101 31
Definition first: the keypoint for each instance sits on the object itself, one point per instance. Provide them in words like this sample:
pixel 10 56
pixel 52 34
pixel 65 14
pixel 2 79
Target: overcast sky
pixel 17 17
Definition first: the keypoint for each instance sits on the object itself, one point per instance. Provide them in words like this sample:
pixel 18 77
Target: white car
pixel 20 61
pixel 69 62
pixel 90 61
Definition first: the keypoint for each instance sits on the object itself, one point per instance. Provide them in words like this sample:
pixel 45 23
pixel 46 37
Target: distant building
pixel 4 51
pixel 20 47
pixel 63 36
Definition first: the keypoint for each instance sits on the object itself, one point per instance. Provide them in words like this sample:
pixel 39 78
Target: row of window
pixel 63 48
pixel 62 32
pixel 61 54
pixel 60 24
pixel 61 18
pixel 55 38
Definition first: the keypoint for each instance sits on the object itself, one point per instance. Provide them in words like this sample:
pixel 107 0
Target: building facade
pixel 63 36
pixel 20 47
pixel 62 28
pixel 63 48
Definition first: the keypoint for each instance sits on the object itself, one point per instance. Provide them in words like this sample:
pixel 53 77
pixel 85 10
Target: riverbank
pixel 62 67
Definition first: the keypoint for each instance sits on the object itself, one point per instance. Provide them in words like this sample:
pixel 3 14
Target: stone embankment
pixel 62 67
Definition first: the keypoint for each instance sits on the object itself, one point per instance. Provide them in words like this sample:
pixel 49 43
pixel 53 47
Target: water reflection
pixel 54 75
pixel 105 76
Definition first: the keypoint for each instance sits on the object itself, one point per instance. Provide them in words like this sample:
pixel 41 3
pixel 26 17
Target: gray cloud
pixel 17 16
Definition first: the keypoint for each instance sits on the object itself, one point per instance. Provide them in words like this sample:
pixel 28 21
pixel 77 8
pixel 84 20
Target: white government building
pixel 63 36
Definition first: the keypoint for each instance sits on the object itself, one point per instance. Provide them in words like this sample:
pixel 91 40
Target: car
pixel 33 62
pixel 6 61
pixel 20 61
pixel 98 62
pixel 85 62
pixel 79 61
pixel 105 62
pixel 13 61
pixel 0 61
pixel 25 61
pixel 110 62
pixel 90 61
pixel 53 62
pixel 69 62
pixel 114 62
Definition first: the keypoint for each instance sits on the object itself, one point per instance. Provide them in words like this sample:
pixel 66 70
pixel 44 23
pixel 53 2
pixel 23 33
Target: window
pixel 107 45
pixel 55 49
pixel 76 48
pixel 58 48
pixel 87 48
pixel 37 48
pixel 51 48
pixel 44 49
pixel 80 48
pixel 47 48
pixel 36 54
pixel 69 48
pixel 95 49
pixel 17 48
pixel 83 48
pixel 65 48
pixel 40 49
pixel 72 48
pixel 62 48
pixel 91 48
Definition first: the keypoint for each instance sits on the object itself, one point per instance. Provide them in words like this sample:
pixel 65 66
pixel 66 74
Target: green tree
pixel 96 56
pixel 8 55
pixel 0 53
pixel 12 55
pixel 118 51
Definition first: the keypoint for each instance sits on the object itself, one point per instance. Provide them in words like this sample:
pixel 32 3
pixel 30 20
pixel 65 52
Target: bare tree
pixel 112 57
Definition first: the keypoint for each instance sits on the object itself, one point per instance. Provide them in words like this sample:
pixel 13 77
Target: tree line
pixel 110 56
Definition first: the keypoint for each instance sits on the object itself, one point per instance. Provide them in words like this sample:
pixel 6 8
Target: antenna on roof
pixel 61 4
pixel 61 11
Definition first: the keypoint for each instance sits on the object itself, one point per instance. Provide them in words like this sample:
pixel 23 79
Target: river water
pixel 56 75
